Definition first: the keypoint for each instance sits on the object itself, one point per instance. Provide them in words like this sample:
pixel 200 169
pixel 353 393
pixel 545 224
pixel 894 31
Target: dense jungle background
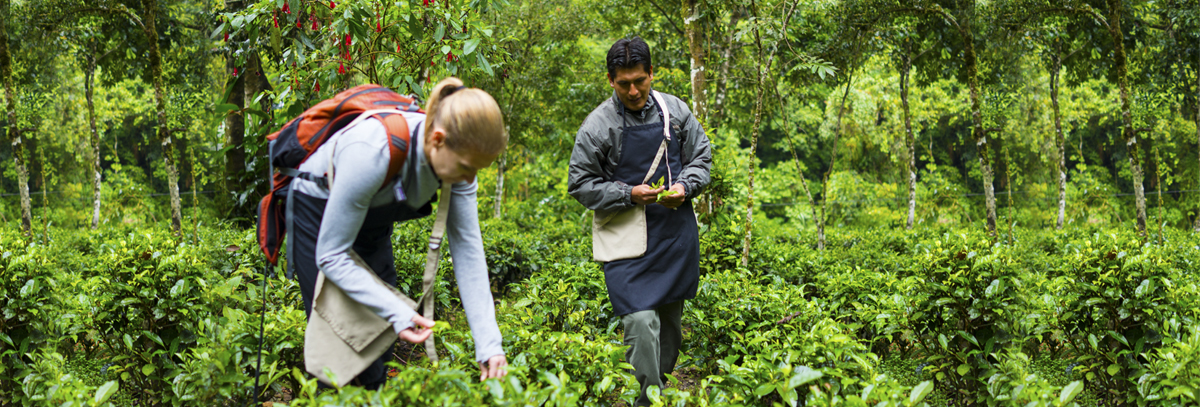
pixel 937 202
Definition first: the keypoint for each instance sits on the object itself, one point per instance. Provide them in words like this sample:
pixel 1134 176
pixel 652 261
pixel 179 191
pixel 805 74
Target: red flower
pixel 317 86
pixel 449 57
pixel 275 20
pixel 235 71
pixel 286 9
pixel 341 70
pixel 378 27
pixel 315 27
pixel 226 36
pixel 397 47
pixel 331 5
pixel 347 40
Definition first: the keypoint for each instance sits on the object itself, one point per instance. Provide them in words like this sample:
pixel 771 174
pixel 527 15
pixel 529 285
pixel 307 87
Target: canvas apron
pixel 670 269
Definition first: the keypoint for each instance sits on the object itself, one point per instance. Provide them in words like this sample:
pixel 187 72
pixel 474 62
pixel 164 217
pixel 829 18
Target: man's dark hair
pixel 628 52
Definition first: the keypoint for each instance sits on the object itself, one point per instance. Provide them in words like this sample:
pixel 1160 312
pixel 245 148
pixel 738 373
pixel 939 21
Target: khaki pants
pixel 653 337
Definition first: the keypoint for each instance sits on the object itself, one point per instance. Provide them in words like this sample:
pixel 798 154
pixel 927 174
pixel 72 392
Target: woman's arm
pixel 470 269
pixel 360 171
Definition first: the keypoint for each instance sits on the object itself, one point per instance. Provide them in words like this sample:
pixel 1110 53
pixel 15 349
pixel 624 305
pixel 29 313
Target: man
pixel 617 145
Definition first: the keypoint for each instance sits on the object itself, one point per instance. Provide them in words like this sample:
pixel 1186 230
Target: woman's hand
pixel 420 330
pixel 494 368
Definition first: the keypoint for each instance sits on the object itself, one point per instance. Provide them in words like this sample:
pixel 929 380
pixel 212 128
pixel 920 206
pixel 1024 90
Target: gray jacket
pixel 598 150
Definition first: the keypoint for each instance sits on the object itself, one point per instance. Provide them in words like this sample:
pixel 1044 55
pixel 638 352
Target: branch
pixel 668 17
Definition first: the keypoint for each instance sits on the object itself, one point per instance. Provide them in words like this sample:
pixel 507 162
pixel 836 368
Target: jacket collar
pixel 640 114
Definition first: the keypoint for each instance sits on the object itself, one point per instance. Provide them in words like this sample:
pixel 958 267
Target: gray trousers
pixel 653 337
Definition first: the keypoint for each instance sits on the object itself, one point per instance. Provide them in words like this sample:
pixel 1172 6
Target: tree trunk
pixel 14 134
pixel 910 142
pixel 88 83
pixel 718 109
pixel 693 30
pixel 498 203
pixel 1131 140
pixel 981 139
pixel 758 108
pixel 1196 227
pixel 1060 142
pixel 150 8
pixel 235 134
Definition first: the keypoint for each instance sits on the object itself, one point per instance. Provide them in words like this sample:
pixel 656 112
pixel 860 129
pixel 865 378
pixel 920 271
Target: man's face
pixel 632 86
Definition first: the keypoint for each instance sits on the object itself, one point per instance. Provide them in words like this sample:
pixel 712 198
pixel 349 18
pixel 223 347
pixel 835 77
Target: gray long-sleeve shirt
pixel 360 164
pixel 597 152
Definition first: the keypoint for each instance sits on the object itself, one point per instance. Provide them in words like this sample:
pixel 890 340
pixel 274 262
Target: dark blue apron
pixel 670 269
pixel 373 244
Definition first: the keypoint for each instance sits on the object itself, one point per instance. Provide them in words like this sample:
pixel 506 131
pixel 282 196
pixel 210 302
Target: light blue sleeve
pixel 360 171
pixel 471 271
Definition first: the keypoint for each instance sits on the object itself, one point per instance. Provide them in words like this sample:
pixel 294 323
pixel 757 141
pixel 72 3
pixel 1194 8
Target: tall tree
pixel 13 129
pixel 694 30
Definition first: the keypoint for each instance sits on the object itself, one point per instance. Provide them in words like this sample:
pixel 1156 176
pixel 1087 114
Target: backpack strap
pixel 431 263
pixel 398 139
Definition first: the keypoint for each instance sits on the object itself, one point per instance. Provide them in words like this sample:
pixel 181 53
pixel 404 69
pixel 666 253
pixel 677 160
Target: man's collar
pixel 639 113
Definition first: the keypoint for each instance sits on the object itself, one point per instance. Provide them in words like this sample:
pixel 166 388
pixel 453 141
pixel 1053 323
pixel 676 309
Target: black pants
pixel 373 244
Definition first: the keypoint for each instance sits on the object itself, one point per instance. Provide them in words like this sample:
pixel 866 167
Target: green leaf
pixel 225 108
pixel 943 341
pixel 803 375
pixel 483 64
pixel 764 389
pixel 1069 392
pixel 963 369
pixel 128 341
pixel 919 392
pixel 1094 341
pixel 470 46
pixel 1113 369
pixel 148 370
pixel 440 33
pixel 105 391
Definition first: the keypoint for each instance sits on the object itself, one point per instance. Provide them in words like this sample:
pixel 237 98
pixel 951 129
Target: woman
pixel 461 133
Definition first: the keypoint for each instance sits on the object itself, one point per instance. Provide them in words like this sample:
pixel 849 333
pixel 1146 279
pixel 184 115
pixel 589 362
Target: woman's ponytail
pixel 470 116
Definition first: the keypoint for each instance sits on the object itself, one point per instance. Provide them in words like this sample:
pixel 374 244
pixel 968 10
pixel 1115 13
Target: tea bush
pixel 130 315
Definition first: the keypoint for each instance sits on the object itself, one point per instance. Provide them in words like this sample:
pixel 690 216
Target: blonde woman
pixel 461 133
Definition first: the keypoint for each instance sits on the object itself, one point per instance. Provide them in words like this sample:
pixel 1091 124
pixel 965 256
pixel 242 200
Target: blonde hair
pixel 470 117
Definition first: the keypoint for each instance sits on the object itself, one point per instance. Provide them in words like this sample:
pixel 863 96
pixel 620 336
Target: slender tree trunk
pixel 498 203
pixel 758 108
pixel 1158 185
pixel 910 143
pixel 89 76
pixel 1196 227
pixel 718 110
pixel 1131 139
pixel 1060 142
pixel 235 132
pixel 981 138
pixel 694 31
pixel 837 135
pixel 796 159
pixel 150 8
pixel 13 132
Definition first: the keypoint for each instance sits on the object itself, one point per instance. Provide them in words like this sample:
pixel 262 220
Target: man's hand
pixel 494 368
pixel 420 330
pixel 644 194
pixel 673 201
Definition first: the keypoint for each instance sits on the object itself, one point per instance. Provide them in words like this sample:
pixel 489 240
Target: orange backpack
pixel 300 137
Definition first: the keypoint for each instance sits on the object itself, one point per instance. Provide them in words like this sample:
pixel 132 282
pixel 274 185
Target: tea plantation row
pixel 130 316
